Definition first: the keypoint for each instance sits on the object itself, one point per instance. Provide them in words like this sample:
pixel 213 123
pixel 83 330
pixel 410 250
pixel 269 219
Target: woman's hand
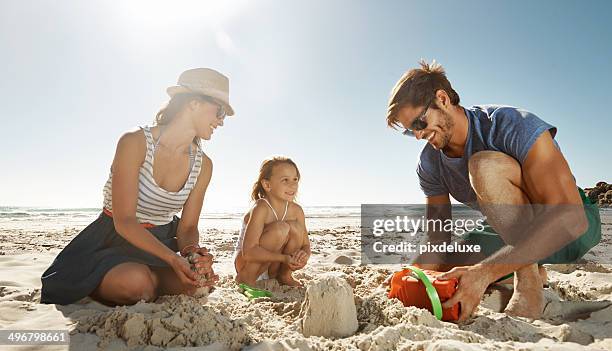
pixel 182 268
pixel 203 266
pixel 203 261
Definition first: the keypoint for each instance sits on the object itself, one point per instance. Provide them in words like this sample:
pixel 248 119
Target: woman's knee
pixel 138 283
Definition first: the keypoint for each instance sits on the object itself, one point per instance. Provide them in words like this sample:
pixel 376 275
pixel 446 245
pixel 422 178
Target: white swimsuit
pixel 238 246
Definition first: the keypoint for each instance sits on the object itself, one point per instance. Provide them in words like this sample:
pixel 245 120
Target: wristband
pixel 183 253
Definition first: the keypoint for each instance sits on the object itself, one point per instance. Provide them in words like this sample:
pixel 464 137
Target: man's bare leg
pixel 527 299
pixel 497 179
pixel 541 271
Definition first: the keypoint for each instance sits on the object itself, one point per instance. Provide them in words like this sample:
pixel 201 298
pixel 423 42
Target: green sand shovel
pixel 254 293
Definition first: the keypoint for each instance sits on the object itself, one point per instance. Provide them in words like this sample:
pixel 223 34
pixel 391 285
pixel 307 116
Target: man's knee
pixel 491 162
pixel 492 168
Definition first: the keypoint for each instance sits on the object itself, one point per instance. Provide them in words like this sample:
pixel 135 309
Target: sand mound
pixel 329 308
pixel 343 259
pixel 378 310
pixel 171 321
pixel 580 285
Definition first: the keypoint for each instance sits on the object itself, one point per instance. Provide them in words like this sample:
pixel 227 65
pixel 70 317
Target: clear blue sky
pixel 309 79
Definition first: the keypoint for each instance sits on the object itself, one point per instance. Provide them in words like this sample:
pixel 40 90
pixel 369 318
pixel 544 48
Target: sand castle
pixel 329 308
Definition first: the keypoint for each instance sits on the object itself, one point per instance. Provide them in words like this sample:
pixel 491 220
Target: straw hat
pixel 204 81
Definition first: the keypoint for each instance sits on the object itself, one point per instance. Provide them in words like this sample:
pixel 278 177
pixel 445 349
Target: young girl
pixel 273 241
pixel 129 252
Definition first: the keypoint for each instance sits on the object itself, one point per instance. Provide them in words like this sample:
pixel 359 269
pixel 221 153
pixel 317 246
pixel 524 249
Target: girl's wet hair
pixel 265 172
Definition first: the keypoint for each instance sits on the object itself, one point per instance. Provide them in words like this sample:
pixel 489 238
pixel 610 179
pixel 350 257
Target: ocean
pixel 317 217
pixel 38 218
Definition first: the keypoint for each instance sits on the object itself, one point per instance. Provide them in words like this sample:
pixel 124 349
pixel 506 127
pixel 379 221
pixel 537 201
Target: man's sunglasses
pixel 221 113
pixel 418 123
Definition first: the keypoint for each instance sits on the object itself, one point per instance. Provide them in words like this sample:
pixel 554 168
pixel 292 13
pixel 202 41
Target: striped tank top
pixel 156 205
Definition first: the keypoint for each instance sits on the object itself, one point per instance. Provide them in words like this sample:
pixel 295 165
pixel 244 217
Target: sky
pixel 308 79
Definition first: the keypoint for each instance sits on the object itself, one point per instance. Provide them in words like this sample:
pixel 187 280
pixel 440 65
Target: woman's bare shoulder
pixel 133 138
pixel 131 148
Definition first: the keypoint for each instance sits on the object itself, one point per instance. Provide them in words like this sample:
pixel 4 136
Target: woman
pixel 129 254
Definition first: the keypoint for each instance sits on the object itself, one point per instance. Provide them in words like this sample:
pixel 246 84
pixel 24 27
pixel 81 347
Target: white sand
pixel 578 313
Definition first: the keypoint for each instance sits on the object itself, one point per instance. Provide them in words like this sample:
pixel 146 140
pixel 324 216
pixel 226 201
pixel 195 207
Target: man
pixel 505 162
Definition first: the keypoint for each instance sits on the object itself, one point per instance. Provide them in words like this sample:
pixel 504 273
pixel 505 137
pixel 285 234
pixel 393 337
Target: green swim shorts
pixel 490 241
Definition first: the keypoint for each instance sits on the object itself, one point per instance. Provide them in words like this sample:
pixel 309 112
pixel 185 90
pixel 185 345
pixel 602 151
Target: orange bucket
pixel 412 291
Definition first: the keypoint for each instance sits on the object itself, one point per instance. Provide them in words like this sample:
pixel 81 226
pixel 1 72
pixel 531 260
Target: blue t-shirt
pixel 491 127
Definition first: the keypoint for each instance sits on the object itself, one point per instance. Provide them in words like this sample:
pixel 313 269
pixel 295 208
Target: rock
pixel 329 308
pixel 601 202
pixel 601 194
pixel 342 259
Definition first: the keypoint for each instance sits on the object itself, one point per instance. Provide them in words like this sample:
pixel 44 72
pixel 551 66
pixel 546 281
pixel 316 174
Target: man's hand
pixel 473 281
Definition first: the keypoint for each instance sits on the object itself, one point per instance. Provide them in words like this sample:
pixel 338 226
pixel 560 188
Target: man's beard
pixel 447 128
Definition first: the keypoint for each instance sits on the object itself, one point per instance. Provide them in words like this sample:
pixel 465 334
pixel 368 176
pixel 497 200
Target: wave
pixel 7 212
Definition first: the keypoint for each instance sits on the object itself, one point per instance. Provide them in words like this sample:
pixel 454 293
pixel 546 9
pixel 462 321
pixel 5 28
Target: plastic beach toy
pixel 253 293
pixel 419 288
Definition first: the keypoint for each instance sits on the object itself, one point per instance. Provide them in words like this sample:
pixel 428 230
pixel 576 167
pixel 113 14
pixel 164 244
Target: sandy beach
pixel 578 313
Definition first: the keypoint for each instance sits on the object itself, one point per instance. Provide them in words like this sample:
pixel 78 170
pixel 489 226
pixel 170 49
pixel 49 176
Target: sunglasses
pixel 418 123
pixel 221 113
